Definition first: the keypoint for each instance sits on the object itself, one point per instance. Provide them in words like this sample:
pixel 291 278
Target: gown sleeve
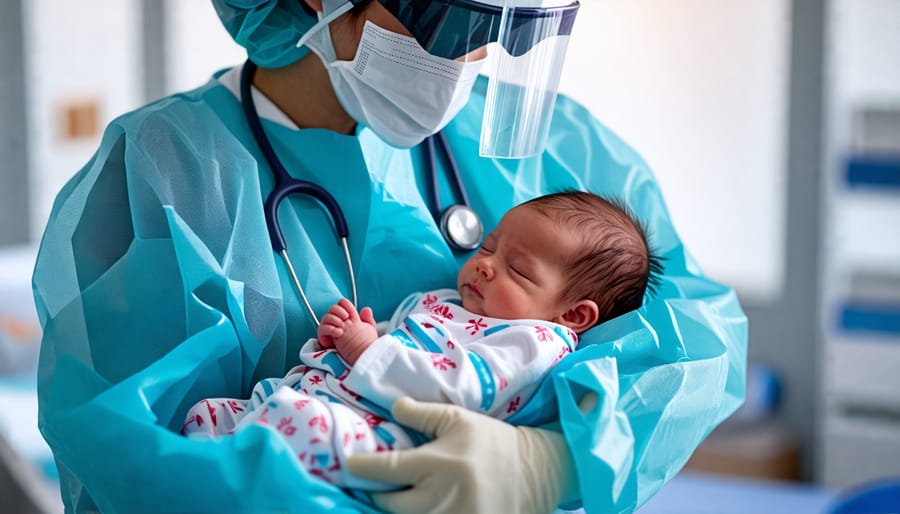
pixel 143 313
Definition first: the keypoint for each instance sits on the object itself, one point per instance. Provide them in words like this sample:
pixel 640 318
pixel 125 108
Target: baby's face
pixel 519 271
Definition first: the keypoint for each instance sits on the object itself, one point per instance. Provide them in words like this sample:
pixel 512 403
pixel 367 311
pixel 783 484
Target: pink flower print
pixel 234 406
pixel 429 299
pixel 360 435
pixel 300 404
pixel 302 456
pixel 316 380
pixel 437 319
pixel 441 362
pixel 573 336
pixel 503 384
pixel 336 466
pixel 262 419
pixel 513 405
pixel 373 420
pixel 475 325
pixel 563 352
pixel 441 310
pixel 320 422
pixel 320 474
pixel 543 334
pixel 315 440
pixel 450 344
pixel 351 393
pixel 319 354
pixel 346 438
pixel 196 419
pixel 285 426
pixel 211 410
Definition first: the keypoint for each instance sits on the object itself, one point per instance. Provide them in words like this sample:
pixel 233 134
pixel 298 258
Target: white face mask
pixel 395 87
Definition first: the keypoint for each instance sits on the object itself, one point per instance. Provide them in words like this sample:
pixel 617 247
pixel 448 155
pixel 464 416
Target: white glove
pixel 475 464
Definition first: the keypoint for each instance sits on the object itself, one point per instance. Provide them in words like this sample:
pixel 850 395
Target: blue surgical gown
pixel 157 286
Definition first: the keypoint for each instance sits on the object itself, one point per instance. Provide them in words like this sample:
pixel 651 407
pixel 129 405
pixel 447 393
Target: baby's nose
pixel 485 269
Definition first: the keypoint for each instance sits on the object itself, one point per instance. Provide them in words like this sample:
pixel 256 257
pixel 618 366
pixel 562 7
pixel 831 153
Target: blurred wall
pixel 859 429
pixel 700 89
pixel 14 209
pixel 82 70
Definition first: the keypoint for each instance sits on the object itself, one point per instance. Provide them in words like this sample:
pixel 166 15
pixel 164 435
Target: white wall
pixel 699 88
pixel 76 51
pixel 198 44
pixel 91 50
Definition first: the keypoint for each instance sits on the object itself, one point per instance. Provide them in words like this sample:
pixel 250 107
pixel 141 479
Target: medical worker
pixel 157 284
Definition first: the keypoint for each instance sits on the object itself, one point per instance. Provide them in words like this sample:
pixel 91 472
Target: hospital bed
pixel 698 493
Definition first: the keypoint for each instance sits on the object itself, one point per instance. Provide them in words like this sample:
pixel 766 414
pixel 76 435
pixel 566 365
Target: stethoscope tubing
pixel 452 168
pixel 285 185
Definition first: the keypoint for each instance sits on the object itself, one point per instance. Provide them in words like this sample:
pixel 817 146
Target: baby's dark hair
pixel 615 265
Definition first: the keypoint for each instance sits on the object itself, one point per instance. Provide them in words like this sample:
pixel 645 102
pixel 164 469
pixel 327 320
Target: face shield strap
pixel 453 28
pixel 326 19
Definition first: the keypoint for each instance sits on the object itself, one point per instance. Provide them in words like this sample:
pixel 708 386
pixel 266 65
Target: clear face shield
pixel 525 42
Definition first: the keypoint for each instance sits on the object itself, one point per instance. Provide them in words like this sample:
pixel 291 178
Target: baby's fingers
pixel 351 310
pixel 338 311
pixel 331 319
pixel 367 316
pixel 330 331
pixel 326 341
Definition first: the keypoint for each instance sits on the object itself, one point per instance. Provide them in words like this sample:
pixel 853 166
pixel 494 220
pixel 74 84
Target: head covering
pixel 268 29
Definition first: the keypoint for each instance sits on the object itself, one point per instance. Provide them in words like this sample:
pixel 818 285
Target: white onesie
pixel 433 351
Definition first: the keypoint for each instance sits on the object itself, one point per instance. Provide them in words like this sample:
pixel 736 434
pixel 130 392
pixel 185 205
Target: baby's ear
pixel 580 316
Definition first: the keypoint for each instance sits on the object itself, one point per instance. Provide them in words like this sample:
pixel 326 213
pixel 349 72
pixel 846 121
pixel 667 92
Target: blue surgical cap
pixel 268 29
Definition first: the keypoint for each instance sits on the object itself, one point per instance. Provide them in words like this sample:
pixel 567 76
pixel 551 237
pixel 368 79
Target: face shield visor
pixel 525 42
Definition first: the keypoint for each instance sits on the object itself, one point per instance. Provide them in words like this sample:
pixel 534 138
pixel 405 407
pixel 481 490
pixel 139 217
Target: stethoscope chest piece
pixel 461 227
pixel 459 224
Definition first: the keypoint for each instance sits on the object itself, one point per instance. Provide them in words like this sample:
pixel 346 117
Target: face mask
pixel 394 87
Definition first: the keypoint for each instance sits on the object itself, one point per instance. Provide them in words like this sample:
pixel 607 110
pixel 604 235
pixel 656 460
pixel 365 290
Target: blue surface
pixel 695 493
pixel 871 317
pixel 877 497
pixel 873 171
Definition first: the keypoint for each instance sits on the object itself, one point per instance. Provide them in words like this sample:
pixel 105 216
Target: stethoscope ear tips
pixel 461 227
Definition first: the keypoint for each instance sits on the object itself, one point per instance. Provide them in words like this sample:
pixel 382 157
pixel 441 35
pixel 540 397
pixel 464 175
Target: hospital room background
pixel 773 127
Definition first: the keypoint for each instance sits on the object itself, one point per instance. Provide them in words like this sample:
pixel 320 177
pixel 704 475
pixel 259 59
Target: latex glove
pixel 475 464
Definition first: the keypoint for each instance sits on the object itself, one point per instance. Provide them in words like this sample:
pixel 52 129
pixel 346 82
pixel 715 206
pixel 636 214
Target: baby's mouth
pixel 474 289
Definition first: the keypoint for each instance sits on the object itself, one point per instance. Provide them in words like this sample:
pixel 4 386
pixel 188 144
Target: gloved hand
pixel 475 464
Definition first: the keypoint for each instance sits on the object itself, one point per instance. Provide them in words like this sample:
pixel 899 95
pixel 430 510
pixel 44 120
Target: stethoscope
pixel 459 224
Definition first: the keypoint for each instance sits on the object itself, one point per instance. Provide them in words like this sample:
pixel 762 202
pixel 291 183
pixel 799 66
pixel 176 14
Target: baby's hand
pixel 348 331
